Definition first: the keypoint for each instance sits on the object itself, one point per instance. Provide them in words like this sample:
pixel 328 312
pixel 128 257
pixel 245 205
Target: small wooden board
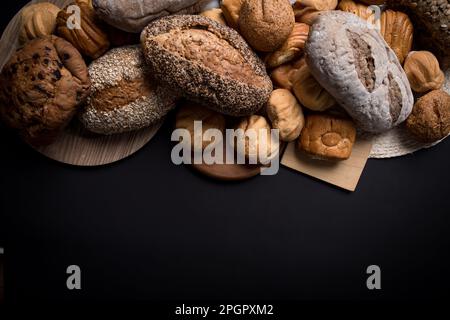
pixel 77 146
pixel 228 172
pixel 232 172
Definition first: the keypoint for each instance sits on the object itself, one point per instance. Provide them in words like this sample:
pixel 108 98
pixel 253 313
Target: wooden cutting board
pixel 232 172
pixel 77 146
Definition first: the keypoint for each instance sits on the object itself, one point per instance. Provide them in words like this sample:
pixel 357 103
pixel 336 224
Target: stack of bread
pixel 316 70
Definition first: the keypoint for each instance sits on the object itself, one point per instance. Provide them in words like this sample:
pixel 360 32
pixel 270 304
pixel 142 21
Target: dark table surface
pixel 146 229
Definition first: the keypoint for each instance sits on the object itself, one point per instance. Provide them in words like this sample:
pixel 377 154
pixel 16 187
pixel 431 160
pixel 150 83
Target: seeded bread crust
pixel 225 94
pixel 357 67
pixel 123 96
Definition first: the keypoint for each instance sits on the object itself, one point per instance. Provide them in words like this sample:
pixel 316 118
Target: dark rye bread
pixel 208 63
pixel 42 87
pixel 355 65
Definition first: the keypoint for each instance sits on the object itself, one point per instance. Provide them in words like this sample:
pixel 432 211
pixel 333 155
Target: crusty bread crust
pixel 123 95
pixel 42 87
pixel 236 96
pixel 356 66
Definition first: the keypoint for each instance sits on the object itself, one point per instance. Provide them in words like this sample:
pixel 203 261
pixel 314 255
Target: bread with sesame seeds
pixel 207 63
pixel 124 97
pixel 42 87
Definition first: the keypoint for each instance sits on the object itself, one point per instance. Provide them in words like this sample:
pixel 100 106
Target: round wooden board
pixel 228 172
pixel 232 172
pixel 75 145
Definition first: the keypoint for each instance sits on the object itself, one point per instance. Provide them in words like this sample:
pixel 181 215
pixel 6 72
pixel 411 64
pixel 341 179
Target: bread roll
pixel 430 119
pixel 327 137
pixel 190 112
pixel 266 24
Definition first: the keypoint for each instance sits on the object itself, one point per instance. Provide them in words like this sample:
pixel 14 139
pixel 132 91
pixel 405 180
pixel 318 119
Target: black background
pixel 145 229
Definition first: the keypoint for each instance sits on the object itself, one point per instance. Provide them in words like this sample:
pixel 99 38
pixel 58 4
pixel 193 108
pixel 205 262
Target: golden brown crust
pixel 216 14
pixel 423 71
pixel 123 93
pixel 258 145
pixel 397 29
pixel 91 39
pixel 359 9
pixel 286 114
pixel 327 137
pixel 190 112
pixel 42 86
pixel 307 11
pixel 370 2
pixel 266 24
pixel 283 75
pixel 231 10
pixel 292 48
pixel 37 20
pixel 430 118
pixel 205 48
pixel 308 91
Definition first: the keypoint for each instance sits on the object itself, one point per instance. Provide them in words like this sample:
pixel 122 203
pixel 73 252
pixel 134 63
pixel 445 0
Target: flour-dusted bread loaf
pixel 42 87
pixel 355 65
pixel 134 15
pixel 124 97
pixel 208 63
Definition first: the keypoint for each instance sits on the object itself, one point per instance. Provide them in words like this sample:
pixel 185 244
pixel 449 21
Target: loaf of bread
pixel 134 15
pixel 430 119
pixel 355 65
pixel 266 24
pixel 208 63
pixel 41 88
pixel 124 97
pixel 327 137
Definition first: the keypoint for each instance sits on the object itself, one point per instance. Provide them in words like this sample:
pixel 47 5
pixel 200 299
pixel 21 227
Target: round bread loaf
pixel 266 24
pixel 430 118
pixel 355 65
pixel 41 88
pixel 124 97
pixel 208 63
